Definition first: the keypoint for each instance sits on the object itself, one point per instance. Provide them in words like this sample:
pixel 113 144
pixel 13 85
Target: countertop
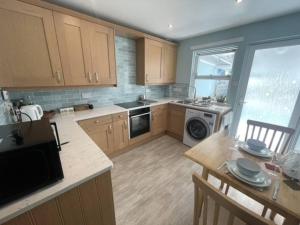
pixel 81 158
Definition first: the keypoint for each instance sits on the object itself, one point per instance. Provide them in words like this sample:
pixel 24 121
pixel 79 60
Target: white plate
pixel 260 180
pixel 264 153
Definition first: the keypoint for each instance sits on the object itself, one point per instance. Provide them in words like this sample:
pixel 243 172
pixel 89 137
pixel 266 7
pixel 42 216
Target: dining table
pixel 219 148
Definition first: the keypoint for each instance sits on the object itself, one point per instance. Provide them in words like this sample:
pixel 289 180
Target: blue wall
pixel 280 27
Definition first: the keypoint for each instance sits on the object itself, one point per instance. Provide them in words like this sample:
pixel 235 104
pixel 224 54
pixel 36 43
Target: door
pixel 270 92
pixel 170 57
pixel 103 137
pixel 103 54
pixel 121 135
pixel 72 36
pixel 29 54
pixel 154 61
pixel 139 124
pixel 159 121
pixel 176 117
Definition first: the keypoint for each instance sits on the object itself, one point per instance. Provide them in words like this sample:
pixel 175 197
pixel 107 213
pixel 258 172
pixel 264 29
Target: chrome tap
pixel 195 93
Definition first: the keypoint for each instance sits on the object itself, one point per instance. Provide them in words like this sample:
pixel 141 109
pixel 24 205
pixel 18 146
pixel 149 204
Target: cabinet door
pixel 176 122
pixel 170 57
pixel 121 136
pixel 72 36
pixel 153 61
pixel 103 137
pixel 23 219
pixel 29 54
pixel 103 54
pixel 159 121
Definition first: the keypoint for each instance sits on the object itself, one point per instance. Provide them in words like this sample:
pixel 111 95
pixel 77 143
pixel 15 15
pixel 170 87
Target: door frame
pixel 244 79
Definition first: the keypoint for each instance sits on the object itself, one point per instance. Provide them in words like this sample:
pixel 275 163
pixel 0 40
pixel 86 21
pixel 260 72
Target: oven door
pixel 139 124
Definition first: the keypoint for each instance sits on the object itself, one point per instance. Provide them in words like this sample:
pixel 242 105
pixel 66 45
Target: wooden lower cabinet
pixel 121 135
pixel 110 132
pixel 159 119
pixel 103 137
pixel 91 203
pixel 176 118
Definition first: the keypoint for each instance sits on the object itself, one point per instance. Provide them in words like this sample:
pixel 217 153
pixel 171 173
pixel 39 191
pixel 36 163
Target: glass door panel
pixel 273 87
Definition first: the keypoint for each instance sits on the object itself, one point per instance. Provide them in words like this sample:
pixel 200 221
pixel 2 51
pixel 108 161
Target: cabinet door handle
pixel 147 79
pixel 90 77
pixel 97 77
pixel 58 76
pixel 125 125
pixel 97 121
pixel 110 129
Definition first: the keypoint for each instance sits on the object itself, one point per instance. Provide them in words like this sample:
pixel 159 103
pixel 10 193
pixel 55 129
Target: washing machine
pixel 198 126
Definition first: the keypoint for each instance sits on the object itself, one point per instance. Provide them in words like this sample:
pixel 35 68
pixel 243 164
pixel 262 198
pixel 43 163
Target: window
pixel 213 70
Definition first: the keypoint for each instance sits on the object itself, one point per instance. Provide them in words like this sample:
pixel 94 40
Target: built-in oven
pixel 140 121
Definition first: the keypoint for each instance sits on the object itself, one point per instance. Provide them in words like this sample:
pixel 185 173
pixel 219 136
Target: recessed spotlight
pixel 170 26
pixel 238 1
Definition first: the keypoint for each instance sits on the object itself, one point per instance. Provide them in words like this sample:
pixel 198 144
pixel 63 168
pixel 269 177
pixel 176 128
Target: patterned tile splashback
pixel 3 115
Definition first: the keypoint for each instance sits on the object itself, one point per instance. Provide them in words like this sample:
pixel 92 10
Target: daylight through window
pixel 212 73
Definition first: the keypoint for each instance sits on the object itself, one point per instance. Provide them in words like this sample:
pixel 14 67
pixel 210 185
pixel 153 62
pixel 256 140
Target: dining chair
pixel 276 137
pixel 210 195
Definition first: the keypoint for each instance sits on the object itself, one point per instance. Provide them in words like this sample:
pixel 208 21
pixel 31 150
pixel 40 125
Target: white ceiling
pixel 189 17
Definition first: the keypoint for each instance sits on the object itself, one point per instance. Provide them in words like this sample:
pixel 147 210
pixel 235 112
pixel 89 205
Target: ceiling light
pixel 238 1
pixel 170 26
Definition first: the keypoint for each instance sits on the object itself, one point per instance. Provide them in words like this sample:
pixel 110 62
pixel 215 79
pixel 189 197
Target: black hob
pixel 129 105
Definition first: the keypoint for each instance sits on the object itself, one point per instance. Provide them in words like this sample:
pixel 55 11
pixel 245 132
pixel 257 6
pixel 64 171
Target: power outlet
pixel 66 110
pixel 86 95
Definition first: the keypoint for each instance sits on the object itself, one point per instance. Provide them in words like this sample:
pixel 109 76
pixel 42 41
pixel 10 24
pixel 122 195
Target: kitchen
pixel 140 104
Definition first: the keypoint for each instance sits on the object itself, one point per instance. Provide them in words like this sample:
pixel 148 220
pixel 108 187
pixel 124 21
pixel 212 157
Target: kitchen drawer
pixel 90 125
pixel 159 107
pixel 120 116
pixel 176 107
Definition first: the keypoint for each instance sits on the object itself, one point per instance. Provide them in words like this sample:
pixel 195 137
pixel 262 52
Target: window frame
pixel 212 51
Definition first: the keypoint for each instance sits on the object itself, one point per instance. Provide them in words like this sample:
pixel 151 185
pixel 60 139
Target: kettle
pixel 35 112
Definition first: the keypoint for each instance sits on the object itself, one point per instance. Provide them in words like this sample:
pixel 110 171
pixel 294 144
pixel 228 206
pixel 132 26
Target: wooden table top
pixel 216 149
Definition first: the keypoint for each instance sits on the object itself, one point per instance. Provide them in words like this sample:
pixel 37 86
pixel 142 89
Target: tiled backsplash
pixel 126 89
pixel 3 115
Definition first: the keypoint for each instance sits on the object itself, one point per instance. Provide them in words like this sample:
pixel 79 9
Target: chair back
pixel 276 137
pixel 220 200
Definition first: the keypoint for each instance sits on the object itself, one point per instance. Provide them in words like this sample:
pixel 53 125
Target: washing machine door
pixel 197 128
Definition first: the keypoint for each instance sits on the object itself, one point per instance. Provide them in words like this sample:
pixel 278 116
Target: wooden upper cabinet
pixel 170 59
pixel 87 50
pixel 156 62
pixel 29 55
pixel 72 37
pixel 103 54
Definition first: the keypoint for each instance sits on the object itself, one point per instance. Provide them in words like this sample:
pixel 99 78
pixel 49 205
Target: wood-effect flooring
pixel 152 185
